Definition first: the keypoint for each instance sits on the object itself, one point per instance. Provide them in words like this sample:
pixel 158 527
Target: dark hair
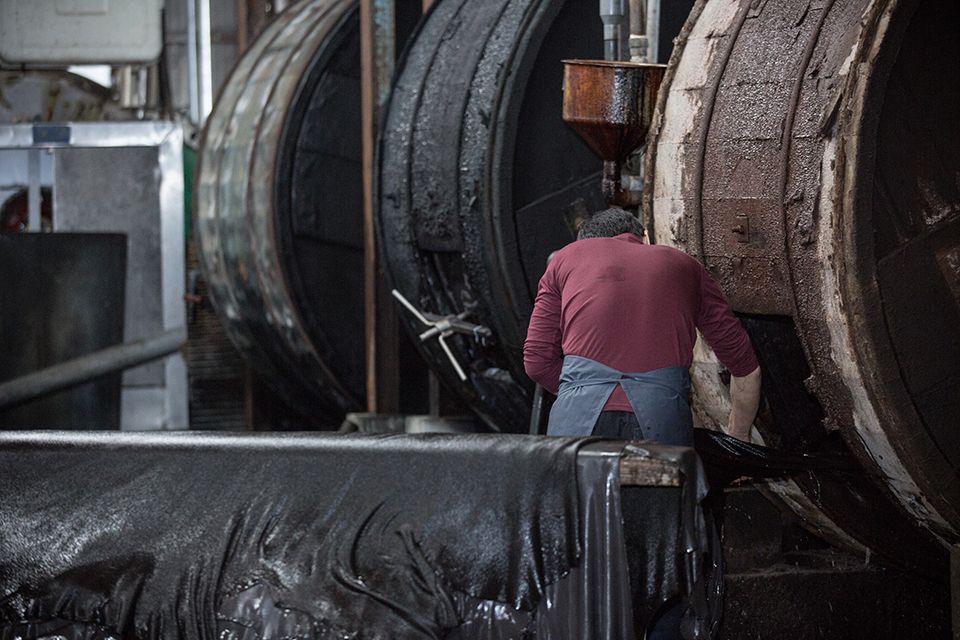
pixel 610 222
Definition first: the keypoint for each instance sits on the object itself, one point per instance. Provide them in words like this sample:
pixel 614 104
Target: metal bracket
pixel 741 228
pixel 443 327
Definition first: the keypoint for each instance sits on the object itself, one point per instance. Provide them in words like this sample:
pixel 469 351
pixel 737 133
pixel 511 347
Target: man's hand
pixel 745 399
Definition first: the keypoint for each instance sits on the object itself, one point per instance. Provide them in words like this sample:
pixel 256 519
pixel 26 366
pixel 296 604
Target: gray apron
pixel 658 398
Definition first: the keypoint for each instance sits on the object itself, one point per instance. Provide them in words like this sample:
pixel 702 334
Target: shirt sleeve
pixel 543 348
pixel 722 331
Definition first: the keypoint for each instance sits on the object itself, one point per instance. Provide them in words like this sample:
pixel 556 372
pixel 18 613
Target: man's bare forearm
pixel 744 400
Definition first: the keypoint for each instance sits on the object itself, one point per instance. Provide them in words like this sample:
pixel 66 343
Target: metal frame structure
pixel 168 139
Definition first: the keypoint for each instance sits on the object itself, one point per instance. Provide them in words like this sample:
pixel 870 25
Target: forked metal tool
pixel 443 327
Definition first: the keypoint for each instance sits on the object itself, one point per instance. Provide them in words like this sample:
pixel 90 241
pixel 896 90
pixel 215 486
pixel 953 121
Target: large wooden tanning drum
pixel 279 208
pixel 809 155
pixel 480 180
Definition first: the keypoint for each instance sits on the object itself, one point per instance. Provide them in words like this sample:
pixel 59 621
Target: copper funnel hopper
pixel 610 105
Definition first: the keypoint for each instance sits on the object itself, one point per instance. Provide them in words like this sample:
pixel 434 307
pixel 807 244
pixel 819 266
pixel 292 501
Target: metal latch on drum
pixel 443 327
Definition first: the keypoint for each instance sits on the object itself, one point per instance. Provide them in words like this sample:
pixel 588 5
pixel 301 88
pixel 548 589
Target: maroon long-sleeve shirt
pixel 631 306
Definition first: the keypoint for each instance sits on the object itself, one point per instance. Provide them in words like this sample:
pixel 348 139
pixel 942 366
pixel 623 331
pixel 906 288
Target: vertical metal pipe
pixel 637 11
pixel 653 30
pixel 199 60
pixel 639 49
pixel 33 190
pixel 378 57
pixel 205 60
pixel 613 14
pixel 151 87
pixel 193 69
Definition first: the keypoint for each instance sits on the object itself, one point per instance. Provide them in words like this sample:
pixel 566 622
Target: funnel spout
pixel 610 106
pixel 613 191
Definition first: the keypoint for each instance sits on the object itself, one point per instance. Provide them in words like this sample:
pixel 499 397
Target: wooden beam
pixel 378 56
pixel 638 471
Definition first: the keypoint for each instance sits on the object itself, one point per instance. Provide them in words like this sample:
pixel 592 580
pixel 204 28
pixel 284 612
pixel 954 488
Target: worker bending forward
pixel 612 334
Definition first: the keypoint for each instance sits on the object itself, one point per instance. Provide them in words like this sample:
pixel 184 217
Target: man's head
pixel 609 223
